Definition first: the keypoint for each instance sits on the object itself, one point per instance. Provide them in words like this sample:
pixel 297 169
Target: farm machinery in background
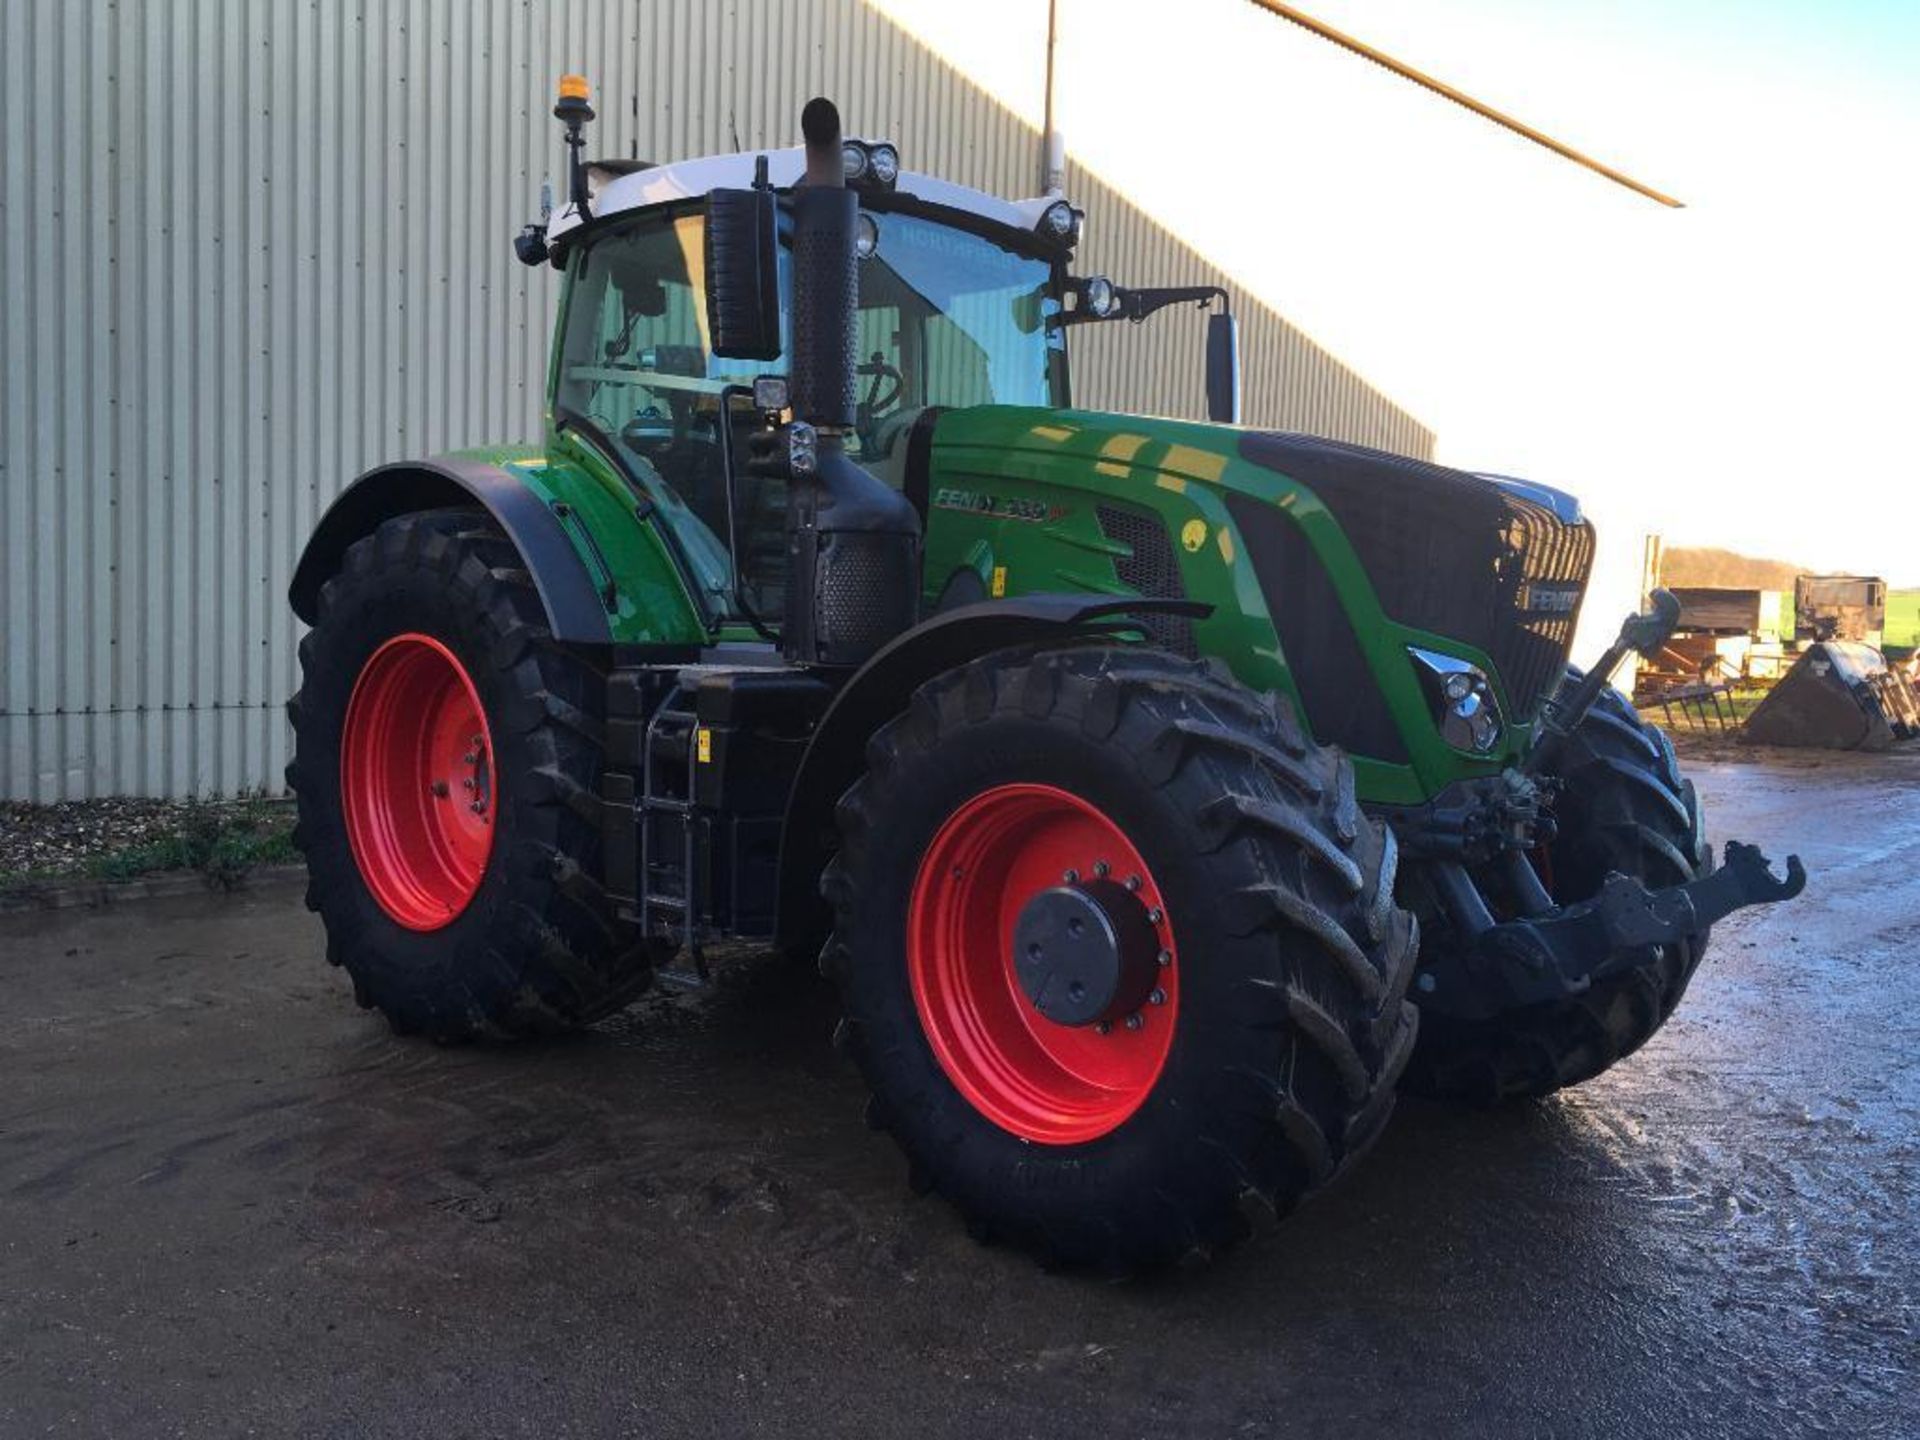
pixel 1817 666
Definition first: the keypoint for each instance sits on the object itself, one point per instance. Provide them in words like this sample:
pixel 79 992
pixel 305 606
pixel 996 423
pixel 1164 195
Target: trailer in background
pixel 1840 607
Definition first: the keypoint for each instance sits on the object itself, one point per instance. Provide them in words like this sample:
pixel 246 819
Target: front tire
pixel 446 756
pixel 1250 1063
pixel 1625 807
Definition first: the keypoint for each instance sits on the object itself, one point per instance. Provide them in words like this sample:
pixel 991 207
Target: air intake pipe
pixel 853 544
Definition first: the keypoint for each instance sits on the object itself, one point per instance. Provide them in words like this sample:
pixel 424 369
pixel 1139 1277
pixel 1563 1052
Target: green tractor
pixel 1160 796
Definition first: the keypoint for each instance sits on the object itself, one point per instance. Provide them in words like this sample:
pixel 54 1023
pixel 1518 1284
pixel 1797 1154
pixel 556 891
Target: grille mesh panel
pixel 1152 570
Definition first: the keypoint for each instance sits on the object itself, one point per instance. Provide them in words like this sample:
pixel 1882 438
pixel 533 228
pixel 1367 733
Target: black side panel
pixel 1152 570
pixel 1344 704
pixel 576 611
pixel 919 468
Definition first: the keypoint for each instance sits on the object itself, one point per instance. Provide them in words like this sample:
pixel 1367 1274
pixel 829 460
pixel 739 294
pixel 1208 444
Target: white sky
pixel 1742 372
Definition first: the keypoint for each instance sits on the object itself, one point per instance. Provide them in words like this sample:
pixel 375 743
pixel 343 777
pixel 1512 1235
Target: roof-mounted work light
pixel 1060 223
pixel 869 166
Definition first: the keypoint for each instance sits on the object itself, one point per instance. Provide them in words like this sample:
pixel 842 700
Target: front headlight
pixel 1465 708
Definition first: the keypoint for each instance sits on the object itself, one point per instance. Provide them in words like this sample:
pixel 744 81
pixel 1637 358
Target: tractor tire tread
pixel 550 958
pixel 1327 963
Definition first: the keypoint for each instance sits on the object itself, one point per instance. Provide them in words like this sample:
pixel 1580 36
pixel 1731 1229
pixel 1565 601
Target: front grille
pixel 1150 569
pixel 1530 651
pixel 1451 553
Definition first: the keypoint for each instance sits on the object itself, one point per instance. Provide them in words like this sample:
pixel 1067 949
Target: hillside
pixel 1684 565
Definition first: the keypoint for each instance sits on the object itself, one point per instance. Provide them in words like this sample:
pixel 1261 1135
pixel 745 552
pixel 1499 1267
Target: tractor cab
pixel 958 306
pixel 963 299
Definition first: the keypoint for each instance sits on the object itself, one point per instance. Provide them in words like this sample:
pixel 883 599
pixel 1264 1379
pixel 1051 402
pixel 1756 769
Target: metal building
pixel 249 248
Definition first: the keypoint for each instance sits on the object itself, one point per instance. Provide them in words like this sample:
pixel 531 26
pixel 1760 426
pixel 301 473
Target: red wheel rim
pixel 417 782
pixel 1046 1082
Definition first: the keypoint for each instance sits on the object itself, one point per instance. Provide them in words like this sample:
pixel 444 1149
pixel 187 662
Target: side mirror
pixel 1223 368
pixel 743 275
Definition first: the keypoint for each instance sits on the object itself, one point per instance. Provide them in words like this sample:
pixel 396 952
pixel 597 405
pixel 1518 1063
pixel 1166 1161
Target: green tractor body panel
pixel 1027 500
pixel 1016 496
pixel 622 551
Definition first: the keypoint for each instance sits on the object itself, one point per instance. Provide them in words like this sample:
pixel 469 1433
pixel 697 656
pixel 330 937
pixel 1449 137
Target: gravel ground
pixel 231 1203
pixel 83 837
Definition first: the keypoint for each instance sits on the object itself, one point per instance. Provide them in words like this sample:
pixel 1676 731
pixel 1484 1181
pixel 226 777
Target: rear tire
pixel 1284 1025
pixel 530 946
pixel 1624 807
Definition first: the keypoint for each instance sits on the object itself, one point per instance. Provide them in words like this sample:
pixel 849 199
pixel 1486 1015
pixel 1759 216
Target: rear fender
pixel 882 689
pixel 577 604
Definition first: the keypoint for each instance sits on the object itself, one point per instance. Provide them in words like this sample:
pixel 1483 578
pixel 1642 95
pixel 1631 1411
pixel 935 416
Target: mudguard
pixel 576 608
pixel 882 688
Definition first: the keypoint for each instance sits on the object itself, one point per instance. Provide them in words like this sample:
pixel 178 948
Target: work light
pixel 1057 220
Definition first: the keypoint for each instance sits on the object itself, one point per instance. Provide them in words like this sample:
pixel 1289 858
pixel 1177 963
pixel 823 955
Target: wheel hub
pixel 417 781
pixel 1050 1003
pixel 1084 953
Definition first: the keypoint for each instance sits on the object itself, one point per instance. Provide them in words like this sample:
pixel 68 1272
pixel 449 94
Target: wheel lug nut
pixel 1070 877
pixel 1156 915
pixel 1158 997
pixel 468 758
pixel 1102 869
pixel 476 807
pixel 467 784
pixel 1165 958
pixel 1134 1022
pixel 1133 882
pixel 1105 1027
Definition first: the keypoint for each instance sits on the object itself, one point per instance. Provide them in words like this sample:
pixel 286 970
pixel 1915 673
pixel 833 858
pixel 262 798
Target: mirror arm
pixel 1137 305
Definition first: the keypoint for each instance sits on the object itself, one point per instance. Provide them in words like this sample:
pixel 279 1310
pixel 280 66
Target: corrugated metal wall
pixel 249 248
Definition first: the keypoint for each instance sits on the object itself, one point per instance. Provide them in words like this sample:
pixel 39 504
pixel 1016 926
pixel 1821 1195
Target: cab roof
pixel 619 186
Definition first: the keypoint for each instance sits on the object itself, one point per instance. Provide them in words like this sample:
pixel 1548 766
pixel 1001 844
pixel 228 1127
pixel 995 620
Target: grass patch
pixel 222 843
pixel 114 841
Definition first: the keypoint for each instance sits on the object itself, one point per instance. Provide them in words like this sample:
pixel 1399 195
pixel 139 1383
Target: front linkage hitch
pixel 1569 704
pixel 1551 953
pixel 1551 957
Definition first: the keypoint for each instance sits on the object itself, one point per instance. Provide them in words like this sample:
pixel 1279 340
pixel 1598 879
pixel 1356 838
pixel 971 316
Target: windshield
pixel 947 317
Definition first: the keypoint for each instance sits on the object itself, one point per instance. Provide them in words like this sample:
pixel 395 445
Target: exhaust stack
pixel 853 544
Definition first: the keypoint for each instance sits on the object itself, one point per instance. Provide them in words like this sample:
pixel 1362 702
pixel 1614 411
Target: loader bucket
pixel 1838 696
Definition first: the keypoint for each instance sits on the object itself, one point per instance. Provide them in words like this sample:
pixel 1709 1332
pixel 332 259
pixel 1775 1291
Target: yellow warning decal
pixel 999 586
pixel 1193 535
pixel 703 745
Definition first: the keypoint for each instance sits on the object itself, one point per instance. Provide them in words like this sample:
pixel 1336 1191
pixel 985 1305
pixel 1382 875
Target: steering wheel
pixel 880 373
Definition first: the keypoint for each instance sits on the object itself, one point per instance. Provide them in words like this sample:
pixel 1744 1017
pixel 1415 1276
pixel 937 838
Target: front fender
pixel 576 607
pixel 881 689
